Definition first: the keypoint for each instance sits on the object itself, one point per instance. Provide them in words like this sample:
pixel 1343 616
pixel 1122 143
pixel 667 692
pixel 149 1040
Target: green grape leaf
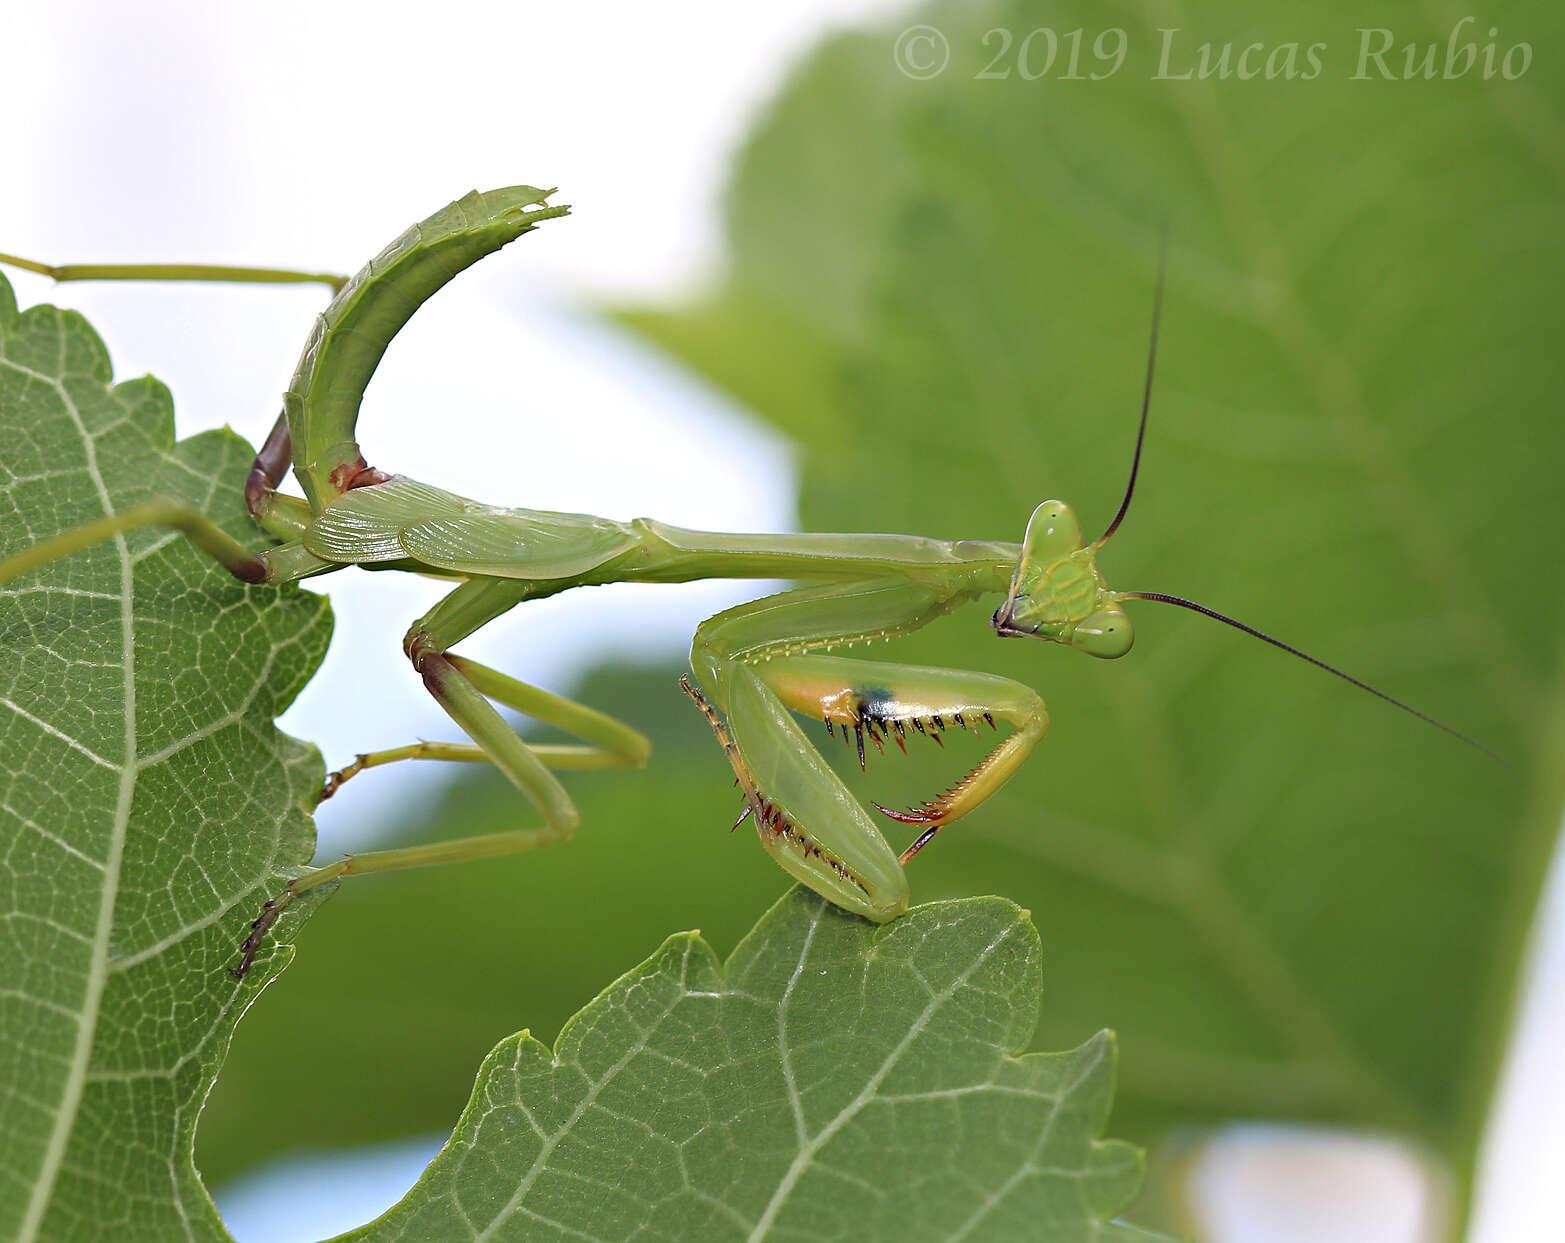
pixel 831 1080
pixel 1289 899
pixel 147 805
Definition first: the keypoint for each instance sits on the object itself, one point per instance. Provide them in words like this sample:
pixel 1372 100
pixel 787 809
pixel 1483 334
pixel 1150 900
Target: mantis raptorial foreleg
pixel 888 701
pixel 761 662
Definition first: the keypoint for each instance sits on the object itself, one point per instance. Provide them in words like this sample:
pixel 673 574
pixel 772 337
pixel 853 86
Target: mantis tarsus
pixel 755 665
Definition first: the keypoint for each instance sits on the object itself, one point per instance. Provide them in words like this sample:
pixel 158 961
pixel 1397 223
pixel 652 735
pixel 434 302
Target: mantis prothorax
pixel 756 665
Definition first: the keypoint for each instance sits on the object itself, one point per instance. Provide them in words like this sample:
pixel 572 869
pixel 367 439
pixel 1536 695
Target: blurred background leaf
pixel 1290 901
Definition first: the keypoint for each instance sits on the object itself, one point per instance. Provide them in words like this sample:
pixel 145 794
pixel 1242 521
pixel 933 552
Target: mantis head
pixel 1057 592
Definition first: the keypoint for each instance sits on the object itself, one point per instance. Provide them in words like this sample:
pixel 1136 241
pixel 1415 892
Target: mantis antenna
pixel 1146 389
pixel 1163 598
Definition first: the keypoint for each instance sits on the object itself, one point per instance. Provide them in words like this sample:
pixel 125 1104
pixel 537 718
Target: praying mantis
pixel 757 667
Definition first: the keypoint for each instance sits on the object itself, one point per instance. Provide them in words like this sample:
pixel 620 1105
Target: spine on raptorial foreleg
pixel 346 344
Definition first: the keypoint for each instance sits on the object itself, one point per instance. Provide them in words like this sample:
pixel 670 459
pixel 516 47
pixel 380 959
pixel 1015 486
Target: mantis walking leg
pixel 613 743
pixel 215 273
pixel 758 662
pixel 200 530
pixel 283 564
pixel 463 688
pixel 285 517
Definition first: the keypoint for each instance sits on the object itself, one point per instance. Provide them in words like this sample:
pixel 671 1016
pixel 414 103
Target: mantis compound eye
pixel 1031 607
pixel 1107 633
pixel 1053 532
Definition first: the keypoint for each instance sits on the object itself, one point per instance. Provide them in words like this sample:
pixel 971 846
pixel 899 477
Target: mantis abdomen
pixel 350 335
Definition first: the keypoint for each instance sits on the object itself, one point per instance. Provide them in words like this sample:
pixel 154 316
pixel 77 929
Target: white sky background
pixel 308 135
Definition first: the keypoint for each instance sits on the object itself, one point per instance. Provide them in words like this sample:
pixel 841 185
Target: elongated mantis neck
pixel 670 554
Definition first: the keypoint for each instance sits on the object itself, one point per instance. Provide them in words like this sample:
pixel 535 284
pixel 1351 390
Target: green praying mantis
pixel 757 667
